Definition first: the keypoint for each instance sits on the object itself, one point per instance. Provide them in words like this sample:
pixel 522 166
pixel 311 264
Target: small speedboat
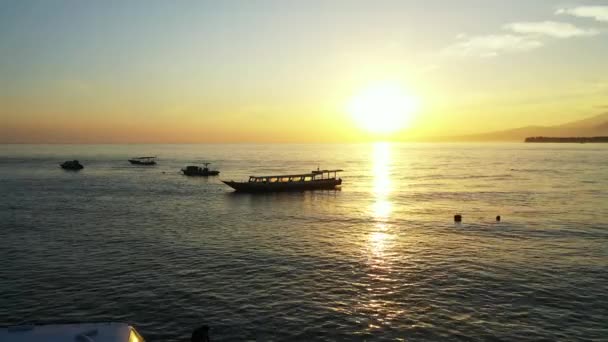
pixel 143 161
pixel 79 332
pixel 200 171
pixel 71 165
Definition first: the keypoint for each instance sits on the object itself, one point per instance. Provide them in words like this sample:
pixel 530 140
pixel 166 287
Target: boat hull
pixel 200 174
pixel 252 187
pixel 71 166
pixel 138 162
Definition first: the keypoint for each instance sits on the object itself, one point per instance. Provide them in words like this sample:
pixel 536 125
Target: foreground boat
pixel 200 171
pixel 316 180
pixel 72 165
pixel 83 332
pixel 143 161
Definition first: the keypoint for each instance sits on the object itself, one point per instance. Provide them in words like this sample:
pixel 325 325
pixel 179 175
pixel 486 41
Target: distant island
pixel 593 129
pixel 567 140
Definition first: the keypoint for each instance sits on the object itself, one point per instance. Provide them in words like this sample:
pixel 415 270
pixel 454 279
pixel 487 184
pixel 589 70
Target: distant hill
pixel 593 126
pixel 593 121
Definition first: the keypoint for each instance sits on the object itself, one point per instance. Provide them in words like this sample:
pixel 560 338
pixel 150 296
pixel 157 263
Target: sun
pixel 383 108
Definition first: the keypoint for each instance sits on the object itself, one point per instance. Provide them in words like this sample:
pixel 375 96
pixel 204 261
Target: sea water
pixel 381 259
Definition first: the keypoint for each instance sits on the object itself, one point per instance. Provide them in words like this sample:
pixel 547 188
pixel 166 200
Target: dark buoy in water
pixel 498 218
pixel 200 334
pixel 457 218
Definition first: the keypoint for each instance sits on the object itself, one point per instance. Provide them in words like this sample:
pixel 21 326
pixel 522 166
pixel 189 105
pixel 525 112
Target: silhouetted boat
pixel 101 331
pixel 143 161
pixel 200 171
pixel 71 165
pixel 316 180
pixel 83 332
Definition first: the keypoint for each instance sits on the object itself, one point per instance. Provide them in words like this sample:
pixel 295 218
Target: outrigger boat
pixel 200 171
pixel 143 161
pixel 315 180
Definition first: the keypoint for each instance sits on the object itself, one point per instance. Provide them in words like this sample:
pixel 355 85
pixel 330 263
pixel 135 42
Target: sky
pixel 287 71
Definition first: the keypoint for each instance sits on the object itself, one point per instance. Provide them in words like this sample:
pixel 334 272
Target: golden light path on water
pixel 382 206
pixel 381 239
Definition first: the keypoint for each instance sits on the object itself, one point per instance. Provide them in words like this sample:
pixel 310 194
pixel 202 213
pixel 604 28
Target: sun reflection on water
pixel 378 241
pixel 382 209
pixel 382 206
pixel 381 160
pixel 381 239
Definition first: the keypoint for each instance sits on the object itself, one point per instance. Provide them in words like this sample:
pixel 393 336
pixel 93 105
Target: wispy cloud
pixel 599 13
pixel 491 45
pixel 550 28
pixel 525 36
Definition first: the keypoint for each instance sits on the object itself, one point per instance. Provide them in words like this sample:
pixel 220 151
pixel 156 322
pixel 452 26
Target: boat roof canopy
pixel 311 174
pixel 285 176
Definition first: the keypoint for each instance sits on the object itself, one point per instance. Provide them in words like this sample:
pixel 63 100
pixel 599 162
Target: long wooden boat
pixel 315 180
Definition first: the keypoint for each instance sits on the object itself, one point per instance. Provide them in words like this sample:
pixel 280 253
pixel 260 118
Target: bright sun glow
pixel 383 108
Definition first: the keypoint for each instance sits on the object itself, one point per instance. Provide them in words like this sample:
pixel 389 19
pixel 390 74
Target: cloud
pixel 525 36
pixel 599 13
pixel 491 45
pixel 550 28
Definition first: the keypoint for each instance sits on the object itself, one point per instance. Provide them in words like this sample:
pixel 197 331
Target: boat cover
pixel 78 332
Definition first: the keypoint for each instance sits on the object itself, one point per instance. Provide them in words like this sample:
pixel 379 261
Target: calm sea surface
pixel 379 260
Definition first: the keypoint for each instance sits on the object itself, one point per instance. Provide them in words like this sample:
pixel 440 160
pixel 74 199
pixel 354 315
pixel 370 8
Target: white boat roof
pixel 78 332
pixel 311 174
pixel 285 176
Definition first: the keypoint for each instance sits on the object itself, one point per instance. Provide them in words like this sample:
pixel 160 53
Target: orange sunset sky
pixel 282 71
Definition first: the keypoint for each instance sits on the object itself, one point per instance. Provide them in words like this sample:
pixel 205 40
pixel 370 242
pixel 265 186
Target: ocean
pixel 381 259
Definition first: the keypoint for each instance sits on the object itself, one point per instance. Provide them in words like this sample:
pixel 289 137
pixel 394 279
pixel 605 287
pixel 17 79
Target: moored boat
pixel 200 171
pixel 71 165
pixel 143 161
pixel 85 332
pixel 315 180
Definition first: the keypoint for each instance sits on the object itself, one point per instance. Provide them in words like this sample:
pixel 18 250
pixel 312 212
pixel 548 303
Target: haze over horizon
pixel 271 71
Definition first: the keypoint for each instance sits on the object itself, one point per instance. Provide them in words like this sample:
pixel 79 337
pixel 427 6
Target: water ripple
pixel 380 260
